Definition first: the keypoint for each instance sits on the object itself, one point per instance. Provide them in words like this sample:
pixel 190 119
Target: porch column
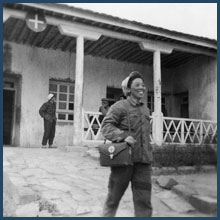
pixel 78 99
pixel 157 114
pixel 80 34
pixel 157 48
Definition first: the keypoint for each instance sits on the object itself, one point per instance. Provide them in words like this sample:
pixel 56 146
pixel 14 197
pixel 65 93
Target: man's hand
pixel 130 140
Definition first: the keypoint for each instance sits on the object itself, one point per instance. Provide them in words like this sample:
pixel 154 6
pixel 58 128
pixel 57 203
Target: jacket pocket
pixel 48 117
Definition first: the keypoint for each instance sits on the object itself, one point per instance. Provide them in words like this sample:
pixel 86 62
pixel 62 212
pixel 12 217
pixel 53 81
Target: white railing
pixel 92 126
pixel 175 130
pixel 189 131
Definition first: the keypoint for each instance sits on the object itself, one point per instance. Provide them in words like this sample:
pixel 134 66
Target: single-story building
pixel 82 56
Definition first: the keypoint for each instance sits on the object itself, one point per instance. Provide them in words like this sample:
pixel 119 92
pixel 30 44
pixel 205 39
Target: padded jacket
pixel 115 127
pixel 48 111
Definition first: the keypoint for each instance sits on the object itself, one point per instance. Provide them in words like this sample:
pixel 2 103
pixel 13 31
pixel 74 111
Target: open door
pixel 11 109
pixel 8 116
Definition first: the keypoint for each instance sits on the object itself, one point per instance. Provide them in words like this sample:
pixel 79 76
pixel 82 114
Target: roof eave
pixel 107 19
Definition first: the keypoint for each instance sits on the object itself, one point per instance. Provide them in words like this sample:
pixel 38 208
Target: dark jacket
pixel 48 111
pixel 115 127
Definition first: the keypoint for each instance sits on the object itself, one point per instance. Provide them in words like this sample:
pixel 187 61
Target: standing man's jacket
pixel 48 111
pixel 115 127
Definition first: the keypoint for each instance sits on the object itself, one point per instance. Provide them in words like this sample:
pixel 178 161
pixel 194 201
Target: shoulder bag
pixel 116 154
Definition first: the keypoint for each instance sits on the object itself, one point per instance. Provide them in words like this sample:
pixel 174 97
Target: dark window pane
pixel 71 98
pixel 185 99
pixel 62 97
pixel 62 105
pixel 163 100
pixel 72 89
pixel 149 98
pixel 63 88
pixel 53 87
pixel 70 117
pixel 71 106
pixel 62 116
pixel 8 85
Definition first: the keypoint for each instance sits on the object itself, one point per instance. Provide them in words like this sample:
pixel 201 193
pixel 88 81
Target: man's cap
pixel 50 96
pixel 124 86
pixel 132 76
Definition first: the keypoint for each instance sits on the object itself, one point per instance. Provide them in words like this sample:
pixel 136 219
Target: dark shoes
pixel 51 146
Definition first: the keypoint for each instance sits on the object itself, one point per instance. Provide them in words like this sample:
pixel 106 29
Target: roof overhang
pixel 120 36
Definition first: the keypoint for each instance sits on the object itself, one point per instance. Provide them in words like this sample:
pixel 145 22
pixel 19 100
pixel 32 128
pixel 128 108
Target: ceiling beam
pixel 11 37
pixel 152 46
pixel 73 31
pixel 42 42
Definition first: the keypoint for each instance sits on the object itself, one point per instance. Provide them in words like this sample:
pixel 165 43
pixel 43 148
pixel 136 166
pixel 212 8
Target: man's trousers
pixel 49 132
pixel 140 177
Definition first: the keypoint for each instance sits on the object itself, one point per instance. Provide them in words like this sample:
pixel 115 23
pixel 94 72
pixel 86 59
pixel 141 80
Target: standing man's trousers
pixel 140 177
pixel 49 132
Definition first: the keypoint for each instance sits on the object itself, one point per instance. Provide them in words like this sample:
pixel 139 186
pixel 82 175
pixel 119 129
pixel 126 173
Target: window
pixel 113 94
pixel 150 103
pixel 184 106
pixel 64 93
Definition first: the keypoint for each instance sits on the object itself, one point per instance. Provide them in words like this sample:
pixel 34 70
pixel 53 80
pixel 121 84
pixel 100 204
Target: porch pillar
pixel 78 99
pixel 80 34
pixel 157 48
pixel 157 114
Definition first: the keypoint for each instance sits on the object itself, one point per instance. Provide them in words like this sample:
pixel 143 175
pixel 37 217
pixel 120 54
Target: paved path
pixel 69 183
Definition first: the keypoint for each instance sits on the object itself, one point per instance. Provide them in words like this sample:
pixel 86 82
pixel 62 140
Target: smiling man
pixel 115 127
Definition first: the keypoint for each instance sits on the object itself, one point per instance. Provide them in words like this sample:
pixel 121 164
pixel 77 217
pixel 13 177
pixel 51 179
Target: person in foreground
pixel 115 128
pixel 48 112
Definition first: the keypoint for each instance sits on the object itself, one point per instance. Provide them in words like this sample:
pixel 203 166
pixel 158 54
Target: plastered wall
pixel 199 78
pixel 38 65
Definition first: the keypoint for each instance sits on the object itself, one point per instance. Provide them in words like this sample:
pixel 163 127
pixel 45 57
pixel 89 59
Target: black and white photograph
pixel 109 109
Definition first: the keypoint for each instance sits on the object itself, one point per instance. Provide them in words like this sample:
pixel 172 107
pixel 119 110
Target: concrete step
pixel 204 204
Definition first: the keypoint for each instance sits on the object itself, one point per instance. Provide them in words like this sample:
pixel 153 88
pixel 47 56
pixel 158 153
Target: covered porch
pixel 164 57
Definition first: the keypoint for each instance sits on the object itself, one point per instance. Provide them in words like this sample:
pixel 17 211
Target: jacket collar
pixel 133 102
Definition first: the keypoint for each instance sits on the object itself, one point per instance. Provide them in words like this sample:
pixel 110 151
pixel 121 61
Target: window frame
pixel 59 92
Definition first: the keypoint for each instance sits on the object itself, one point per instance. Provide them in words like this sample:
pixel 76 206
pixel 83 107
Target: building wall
pixel 100 73
pixel 38 65
pixel 199 78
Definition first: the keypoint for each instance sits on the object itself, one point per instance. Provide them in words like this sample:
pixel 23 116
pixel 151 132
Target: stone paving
pixel 67 182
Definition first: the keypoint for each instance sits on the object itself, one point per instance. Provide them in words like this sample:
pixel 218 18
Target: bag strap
pixel 129 121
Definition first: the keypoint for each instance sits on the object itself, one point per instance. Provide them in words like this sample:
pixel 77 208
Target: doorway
pixel 181 105
pixel 11 108
pixel 8 115
pixel 184 107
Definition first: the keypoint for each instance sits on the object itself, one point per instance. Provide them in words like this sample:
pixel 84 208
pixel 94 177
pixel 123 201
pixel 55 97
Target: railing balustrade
pixel 92 126
pixel 175 130
pixel 189 131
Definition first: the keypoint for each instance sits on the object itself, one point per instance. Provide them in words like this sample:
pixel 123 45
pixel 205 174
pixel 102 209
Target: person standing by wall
pixel 115 128
pixel 48 112
pixel 103 109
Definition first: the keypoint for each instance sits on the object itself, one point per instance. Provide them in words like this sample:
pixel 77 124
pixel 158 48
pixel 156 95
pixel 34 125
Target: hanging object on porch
pixel 36 22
